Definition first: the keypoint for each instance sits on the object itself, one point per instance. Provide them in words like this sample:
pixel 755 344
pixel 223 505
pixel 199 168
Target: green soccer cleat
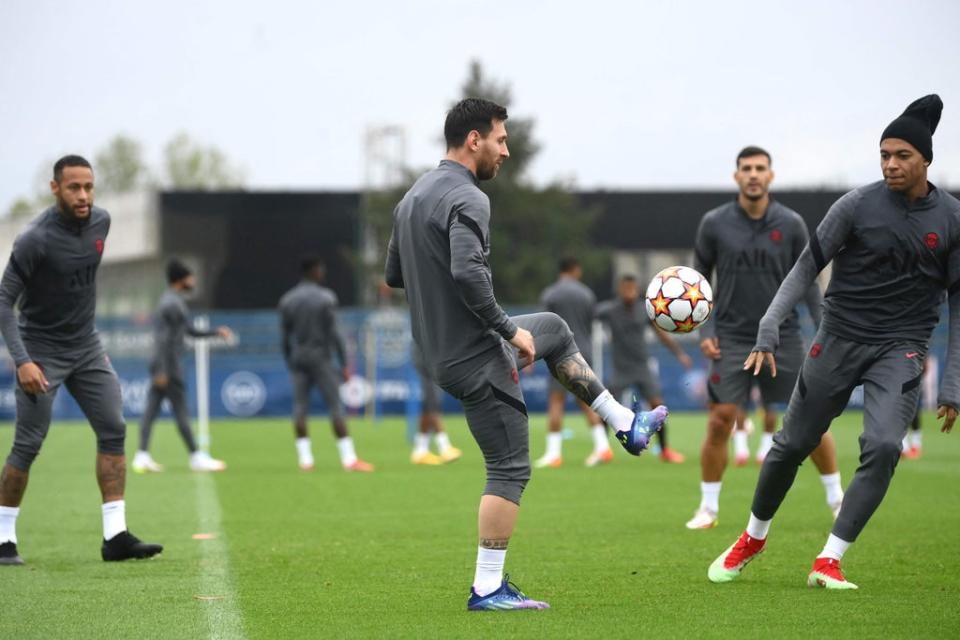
pixel 731 562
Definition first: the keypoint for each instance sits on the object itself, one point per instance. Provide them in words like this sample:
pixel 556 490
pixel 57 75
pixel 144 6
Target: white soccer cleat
pixel 548 462
pixel 143 462
pixel 703 519
pixel 201 461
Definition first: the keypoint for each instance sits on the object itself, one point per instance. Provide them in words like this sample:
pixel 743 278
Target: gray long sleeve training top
pixel 52 272
pixel 751 258
pixel 574 302
pixel 171 323
pixel 439 253
pixel 892 262
pixel 308 325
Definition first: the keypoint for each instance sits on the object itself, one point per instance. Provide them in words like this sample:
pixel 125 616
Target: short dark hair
pixel 176 270
pixel 753 150
pixel 471 114
pixel 628 277
pixel 69 161
pixel 568 264
pixel 309 262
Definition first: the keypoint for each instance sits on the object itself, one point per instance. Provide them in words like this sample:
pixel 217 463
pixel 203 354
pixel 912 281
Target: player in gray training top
pixel 310 339
pixel 895 247
pixel 628 323
pixel 171 323
pixel 439 253
pixel 52 273
pixel 751 242
pixel 573 301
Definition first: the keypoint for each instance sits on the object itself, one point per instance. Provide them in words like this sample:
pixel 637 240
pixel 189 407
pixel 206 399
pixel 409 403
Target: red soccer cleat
pixel 732 561
pixel 826 574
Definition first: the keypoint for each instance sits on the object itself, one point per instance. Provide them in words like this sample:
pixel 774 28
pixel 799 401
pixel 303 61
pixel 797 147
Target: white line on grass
pixel 224 620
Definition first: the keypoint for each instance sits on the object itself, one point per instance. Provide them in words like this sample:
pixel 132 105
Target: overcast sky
pixel 625 94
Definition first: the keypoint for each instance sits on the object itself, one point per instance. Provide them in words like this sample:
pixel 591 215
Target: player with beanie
pixel 895 247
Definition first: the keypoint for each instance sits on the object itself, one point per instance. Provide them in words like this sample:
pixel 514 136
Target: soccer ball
pixel 679 299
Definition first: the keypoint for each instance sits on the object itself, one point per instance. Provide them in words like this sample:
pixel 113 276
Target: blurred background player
pixel 912 446
pixel 628 323
pixel 310 340
pixel 430 421
pixel 171 322
pixel 52 276
pixel 899 240
pixel 751 242
pixel 573 301
pixel 439 254
pixel 744 427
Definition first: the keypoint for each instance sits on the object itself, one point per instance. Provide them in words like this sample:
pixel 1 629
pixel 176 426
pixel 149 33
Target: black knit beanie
pixel 917 124
pixel 177 271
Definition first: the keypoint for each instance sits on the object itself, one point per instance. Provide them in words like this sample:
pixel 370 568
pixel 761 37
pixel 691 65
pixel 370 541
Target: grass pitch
pixel 390 555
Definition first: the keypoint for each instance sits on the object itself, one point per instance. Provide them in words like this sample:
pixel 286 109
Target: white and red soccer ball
pixel 679 299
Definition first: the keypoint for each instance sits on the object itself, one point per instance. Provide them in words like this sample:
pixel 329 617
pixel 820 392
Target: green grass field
pixel 390 555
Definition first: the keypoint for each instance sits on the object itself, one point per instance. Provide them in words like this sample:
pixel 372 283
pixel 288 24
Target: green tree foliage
pixel 190 165
pixel 531 228
pixel 120 167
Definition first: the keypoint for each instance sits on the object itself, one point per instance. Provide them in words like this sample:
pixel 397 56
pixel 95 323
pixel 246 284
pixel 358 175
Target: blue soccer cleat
pixel 645 424
pixel 507 598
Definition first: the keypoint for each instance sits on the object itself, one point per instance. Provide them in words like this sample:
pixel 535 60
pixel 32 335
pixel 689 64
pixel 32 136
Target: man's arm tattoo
pixel 578 378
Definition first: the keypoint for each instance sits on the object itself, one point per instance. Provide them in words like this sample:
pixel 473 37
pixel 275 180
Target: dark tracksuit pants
pixel 890 374
pixel 176 393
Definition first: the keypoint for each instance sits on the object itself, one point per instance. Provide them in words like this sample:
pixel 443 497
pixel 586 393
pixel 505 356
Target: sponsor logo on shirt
pixel 931 240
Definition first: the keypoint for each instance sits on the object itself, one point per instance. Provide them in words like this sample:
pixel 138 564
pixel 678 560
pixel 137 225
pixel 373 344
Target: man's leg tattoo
pixel 578 378
pixel 497 544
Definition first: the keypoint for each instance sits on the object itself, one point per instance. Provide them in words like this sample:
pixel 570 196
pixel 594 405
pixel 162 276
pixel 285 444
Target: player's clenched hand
pixel 160 381
pixel 948 412
pixel 31 378
pixel 756 359
pixel 710 348
pixel 527 350
pixel 226 333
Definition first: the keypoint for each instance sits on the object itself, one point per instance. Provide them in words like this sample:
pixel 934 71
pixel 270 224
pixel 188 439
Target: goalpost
pixel 201 349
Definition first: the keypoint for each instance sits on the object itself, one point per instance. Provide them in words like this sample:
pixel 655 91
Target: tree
pixel 531 228
pixel 190 165
pixel 120 167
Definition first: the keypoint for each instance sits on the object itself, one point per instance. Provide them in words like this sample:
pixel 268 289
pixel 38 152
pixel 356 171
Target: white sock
pixel 617 416
pixel 831 484
pixel 757 528
pixel 554 444
pixel 740 444
pixel 114 518
pixel 489 575
pixel 304 452
pixel 8 524
pixel 766 442
pixel 443 441
pixel 600 441
pixel 710 496
pixel 905 443
pixel 835 548
pixel 916 439
pixel 421 444
pixel 347 454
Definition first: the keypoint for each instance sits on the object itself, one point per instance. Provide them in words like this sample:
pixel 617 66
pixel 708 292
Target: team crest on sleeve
pixel 99 245
pixel 776 235
pixel 932 240
pixel 816 350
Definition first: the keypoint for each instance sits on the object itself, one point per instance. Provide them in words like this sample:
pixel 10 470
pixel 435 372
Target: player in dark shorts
pixel 310 340
pixel 751 242
pixel 628 322
pixel 52 276
pixel 431 424
pixel 171 324
pixel 573 301
pixel 895 247
pixel 439 254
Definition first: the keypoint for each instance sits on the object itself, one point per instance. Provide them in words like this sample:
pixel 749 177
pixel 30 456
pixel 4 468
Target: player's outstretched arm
pixel 674 347
pixel 824 244
pixel 23 261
